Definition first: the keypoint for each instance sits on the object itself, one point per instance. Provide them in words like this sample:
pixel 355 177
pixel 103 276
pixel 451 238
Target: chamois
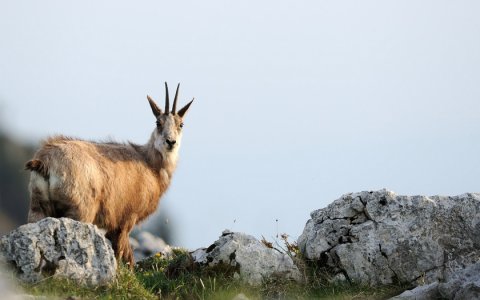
pixel 112 185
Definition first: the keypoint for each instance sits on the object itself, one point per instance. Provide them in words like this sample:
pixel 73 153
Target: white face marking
pixel 168 131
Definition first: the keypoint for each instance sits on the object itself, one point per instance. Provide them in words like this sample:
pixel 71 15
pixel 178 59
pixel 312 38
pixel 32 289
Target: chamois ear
pixel 156 111
pixel 184 109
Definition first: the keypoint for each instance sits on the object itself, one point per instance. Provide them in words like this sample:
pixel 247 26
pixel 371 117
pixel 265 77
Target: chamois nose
pixel 171 142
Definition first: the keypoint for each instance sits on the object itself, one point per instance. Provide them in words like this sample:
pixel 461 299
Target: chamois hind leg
pixel 35 213
pixel 40 206
pixel 113 236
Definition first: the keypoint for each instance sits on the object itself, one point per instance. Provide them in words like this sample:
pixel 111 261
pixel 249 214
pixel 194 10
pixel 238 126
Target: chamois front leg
pixel 125 250
pixel 121 244
pixel 121 248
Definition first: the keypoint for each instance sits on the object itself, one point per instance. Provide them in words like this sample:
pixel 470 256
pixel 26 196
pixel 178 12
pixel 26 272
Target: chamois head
pixel 168 134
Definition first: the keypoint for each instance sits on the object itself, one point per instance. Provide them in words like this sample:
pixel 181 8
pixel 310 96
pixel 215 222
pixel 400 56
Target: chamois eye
pixel 181 125
pixel 159 124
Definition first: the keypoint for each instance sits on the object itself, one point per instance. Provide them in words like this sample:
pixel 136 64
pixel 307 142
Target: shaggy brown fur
pixel 111 185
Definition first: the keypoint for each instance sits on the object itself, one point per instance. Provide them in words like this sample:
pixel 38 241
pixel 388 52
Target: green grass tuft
pixel 125 286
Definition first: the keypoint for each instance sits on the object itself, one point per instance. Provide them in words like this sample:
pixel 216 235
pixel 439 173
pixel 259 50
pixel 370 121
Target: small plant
pixel 289 248
pixel 266 243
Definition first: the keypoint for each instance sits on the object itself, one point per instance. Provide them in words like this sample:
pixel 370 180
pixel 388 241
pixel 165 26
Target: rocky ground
pixel 370 239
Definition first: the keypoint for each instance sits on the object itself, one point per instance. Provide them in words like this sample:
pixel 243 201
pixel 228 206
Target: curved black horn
pixel 174 109
pixel 167 99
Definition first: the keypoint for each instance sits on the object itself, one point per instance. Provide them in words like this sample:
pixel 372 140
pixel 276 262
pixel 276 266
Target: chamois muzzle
pixel 170 143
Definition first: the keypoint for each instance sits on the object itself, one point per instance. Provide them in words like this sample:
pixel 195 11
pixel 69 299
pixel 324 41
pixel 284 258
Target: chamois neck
pixel 160 160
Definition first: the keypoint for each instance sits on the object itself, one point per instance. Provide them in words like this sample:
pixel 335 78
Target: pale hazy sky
pixel 297 102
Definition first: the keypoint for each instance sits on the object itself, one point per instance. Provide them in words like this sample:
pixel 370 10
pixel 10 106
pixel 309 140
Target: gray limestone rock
pixel 60 248
pixel 145 244
pixel 382 238
pixel 253 261
pixel 422 292
pixel 461 285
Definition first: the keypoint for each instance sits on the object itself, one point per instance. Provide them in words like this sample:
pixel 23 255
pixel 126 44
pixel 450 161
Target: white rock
pixel 200 255
pixel 394 238
pixel 422 292
pixel 60 248
pixel 463 284
pixel 145 244
pixel 252 259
